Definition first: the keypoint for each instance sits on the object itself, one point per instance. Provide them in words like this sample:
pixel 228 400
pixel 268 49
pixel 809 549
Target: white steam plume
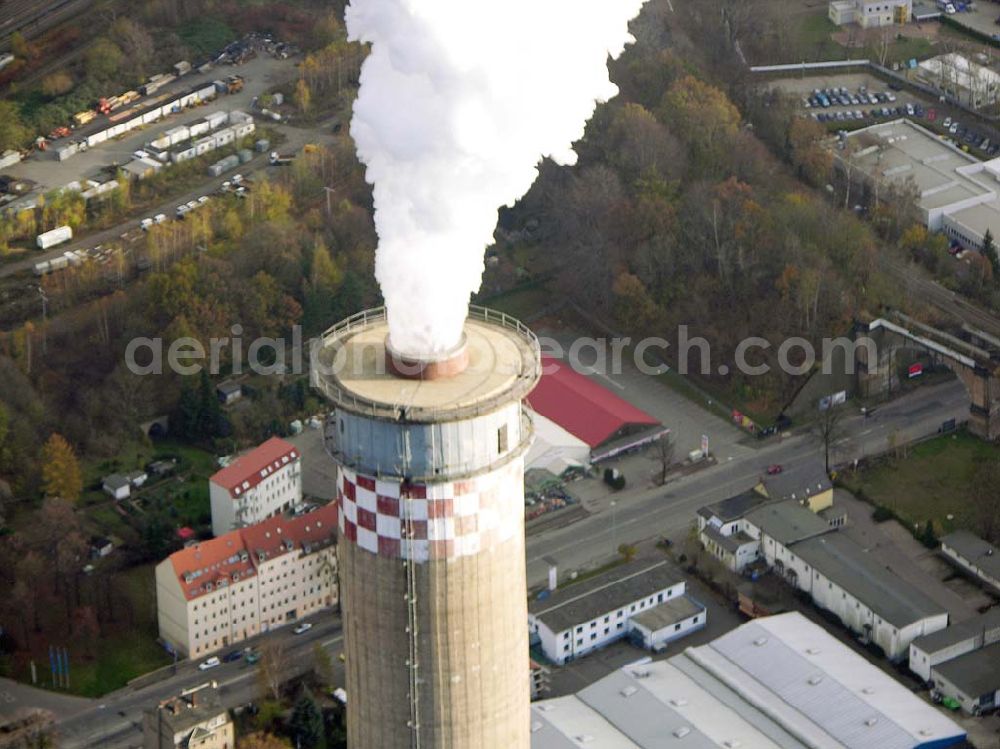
pixel 459 101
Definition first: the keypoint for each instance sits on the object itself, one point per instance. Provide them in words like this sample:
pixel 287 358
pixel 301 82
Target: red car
pixel 774 470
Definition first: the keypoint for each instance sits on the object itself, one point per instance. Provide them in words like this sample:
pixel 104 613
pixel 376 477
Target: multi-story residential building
pixel 195 719
pixel 573 621
pixel 258 485
pixel 222 591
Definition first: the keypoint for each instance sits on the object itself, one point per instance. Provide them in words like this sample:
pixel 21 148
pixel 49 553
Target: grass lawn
pixel 931 482
pixel 811 40
pixel 206 35
pixel 909 48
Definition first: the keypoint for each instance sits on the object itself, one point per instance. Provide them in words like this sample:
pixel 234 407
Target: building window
pixel 677 627
pixel 502 439
pixel 593 637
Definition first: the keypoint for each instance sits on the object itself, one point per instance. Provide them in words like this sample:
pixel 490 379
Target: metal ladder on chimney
pixel 412 663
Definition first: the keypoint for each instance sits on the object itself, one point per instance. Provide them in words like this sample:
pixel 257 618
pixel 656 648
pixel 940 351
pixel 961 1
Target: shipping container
pixel 244 155
pixel 9 158
pixel 54 237
pixel 262 146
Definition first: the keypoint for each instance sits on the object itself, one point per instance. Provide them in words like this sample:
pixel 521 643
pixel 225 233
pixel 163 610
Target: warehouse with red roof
pixel 606 423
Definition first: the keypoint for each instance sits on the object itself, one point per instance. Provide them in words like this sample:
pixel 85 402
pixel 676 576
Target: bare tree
pixel 829 428
pixel 984 500
pixel 663 453
pixel 271 669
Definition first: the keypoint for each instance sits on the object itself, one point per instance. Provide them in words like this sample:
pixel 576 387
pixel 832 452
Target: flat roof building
pixel 973 679
pixel 974 555
pixel 956 193
pixel 951 642
pixel 776 682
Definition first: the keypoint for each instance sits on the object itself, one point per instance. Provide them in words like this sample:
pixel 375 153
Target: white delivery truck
pixel 52 238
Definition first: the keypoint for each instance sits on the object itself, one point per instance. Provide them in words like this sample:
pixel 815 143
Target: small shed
pixel 229 392
pixel 137 478
pixel 670 620
pixel 117 485
pixel 100 547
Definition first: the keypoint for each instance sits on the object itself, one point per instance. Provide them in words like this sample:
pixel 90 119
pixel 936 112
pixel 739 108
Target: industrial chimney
pixel 430 456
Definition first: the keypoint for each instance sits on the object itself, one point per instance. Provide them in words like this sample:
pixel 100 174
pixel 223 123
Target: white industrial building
pixel 779 682
pixel 954 641
pixel 870 13
pixel 956 194
pixel 809 552
pixel 554 449
pixel 868 598
pixel 262 483
pixel 973 680
pixel 972 554
pixel 570 622
pixel 960 79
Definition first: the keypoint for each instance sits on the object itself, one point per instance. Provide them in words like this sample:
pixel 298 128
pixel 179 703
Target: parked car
pixel 954 128
pixel 181 210
pixel 159 218
pixel 947 122
pixel 192 204
pixel 774 470
pixel 145 224
pixel 252 656
pixel 232 656
pixel 202 200
pixel 210 663
pixel 303 628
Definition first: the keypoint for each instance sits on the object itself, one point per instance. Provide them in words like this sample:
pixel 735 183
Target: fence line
pixel 809 66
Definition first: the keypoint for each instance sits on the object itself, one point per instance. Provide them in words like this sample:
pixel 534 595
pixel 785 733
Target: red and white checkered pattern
pixel 446 520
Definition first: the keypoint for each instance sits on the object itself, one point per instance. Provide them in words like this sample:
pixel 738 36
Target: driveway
pixel 893 545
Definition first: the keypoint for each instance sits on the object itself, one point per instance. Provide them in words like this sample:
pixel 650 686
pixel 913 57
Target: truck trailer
pixel 55 236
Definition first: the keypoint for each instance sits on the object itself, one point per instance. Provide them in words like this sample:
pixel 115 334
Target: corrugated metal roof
pixel 806 668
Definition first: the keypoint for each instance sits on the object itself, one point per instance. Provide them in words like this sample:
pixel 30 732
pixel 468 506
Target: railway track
pixel 952 304
pixel 32 18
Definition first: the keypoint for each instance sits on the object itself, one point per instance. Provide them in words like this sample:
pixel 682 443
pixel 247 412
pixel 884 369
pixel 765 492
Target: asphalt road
pixel 116 721
pixel 643 513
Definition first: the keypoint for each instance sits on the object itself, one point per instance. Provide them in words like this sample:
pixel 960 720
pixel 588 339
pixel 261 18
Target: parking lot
pixel 859 99
pixel 260 74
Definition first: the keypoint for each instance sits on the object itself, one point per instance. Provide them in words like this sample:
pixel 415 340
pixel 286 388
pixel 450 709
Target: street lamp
pixel 614 526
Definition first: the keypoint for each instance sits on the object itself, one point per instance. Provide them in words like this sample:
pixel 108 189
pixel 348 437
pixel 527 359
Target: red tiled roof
pixel 218 558
pixel 270 536
pixel 246 471
pixel 211 561
pixel 582 407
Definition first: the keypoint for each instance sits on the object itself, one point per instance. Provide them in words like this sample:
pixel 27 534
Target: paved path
pixel 15 697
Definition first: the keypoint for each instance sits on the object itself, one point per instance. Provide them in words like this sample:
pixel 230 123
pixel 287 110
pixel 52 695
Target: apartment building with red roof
pixel 219 592
pixel 260 484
